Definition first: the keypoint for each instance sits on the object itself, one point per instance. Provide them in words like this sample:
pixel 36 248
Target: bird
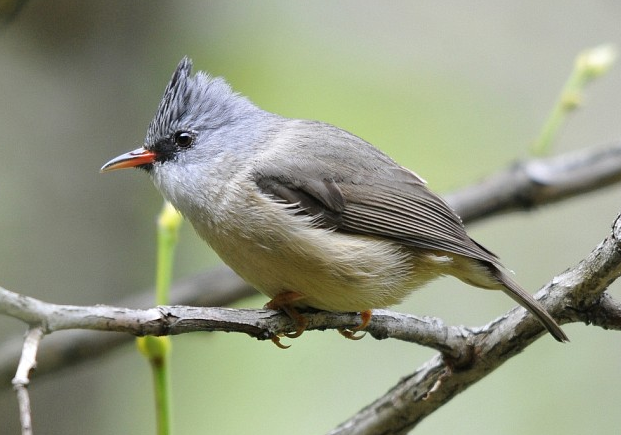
pixel 310 215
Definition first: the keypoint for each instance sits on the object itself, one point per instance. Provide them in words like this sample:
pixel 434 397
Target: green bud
pixel 169 218
pixel 595 62
pixel 154 348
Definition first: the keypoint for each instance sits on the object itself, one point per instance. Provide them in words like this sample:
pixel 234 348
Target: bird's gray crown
pixel 195 103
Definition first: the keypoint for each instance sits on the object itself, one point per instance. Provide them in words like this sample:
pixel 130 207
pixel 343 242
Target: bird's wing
pixel 367 194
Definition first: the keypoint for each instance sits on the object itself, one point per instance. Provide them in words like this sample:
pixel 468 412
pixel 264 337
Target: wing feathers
pixel 348 185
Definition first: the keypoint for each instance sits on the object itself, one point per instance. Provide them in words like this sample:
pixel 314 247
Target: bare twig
pixel 21 380
pixel 217 287
pixel 539 182
pixel 261 324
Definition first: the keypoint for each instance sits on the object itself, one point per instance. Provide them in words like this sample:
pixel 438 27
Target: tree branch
pixel 217 287
pixel 27 362
pixel 260 324
pixel 575 295
pixel 467 354
pixel 606 313
pixel 537 182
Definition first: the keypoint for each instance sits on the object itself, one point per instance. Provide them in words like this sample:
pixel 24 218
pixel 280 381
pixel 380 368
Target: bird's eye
pixel 183 139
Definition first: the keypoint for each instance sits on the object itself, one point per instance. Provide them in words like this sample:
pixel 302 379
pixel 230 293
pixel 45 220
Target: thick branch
pixel 539 182
pixel 575 295
pixel 606 313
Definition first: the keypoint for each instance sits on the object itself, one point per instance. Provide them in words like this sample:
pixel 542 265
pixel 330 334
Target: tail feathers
pixel 489 275
pixel 525 299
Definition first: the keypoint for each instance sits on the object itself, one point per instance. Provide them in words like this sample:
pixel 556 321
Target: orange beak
pixel 138 157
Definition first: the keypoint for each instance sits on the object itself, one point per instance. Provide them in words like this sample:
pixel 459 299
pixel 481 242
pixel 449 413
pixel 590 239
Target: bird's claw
pixel 276 340
pixel 350 333
pixel 284 302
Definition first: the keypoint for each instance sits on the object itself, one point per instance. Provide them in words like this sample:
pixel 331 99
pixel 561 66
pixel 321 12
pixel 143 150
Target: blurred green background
pixel 454 90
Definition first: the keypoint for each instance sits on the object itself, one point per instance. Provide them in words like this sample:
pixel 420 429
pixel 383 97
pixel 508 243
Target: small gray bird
pixel 307 213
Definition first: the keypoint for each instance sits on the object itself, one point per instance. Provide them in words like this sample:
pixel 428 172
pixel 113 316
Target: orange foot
pixel 284 302
pixel 365 316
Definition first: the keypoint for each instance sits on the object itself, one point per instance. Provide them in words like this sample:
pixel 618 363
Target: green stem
pixel 168 224
pixel 589 65
pixel 568 101
pixel 161 382
pixel 157 349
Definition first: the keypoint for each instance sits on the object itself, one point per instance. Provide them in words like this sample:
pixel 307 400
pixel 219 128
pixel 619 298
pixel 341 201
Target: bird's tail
pixel 496 278
pixel 525 299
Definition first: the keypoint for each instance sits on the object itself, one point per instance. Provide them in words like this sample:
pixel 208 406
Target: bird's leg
pixel 350 333
pixel 284 302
